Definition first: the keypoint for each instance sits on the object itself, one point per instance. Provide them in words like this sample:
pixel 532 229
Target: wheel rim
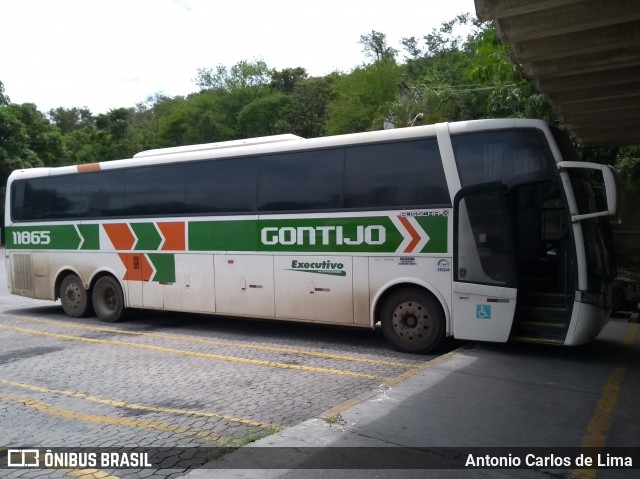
pixel 410 321
pixel 109 299
pixel 73 296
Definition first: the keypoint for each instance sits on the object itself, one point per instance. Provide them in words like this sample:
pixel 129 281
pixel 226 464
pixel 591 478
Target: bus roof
pixel 218 145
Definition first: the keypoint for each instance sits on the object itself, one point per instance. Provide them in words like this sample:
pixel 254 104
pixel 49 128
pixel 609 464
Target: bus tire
pixel 108 300
pixel 412 321
pixel 74 298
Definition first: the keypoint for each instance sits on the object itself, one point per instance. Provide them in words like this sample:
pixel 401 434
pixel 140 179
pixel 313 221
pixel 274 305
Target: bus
pixel 488 230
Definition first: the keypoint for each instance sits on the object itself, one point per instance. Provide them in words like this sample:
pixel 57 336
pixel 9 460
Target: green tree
pixel 70 119
pixel 406 110
pixel 118 140
pixel 451 77
pixel 375 47
pixel 149 118
pixel 89 145
pixel 286 80
pixel 234 89
pixel 264 116
pixel 308 109
pixel 197 119
pixel 508 92
pixel 628 162
pixel 4 99
pixel 244 74
pixel 27 139
pixel 361 98
pixel 434 86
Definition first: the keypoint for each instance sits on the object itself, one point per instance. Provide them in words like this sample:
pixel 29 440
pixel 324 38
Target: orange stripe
pixel 131 274
pixel 120 235
pixel 173 233
pixel 414 234
pixel 138 267
pixel 88 167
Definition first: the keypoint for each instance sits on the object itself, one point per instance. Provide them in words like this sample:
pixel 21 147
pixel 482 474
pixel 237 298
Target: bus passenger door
pixel 484 287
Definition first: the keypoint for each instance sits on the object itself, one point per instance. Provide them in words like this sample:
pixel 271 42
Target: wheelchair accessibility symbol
pixel 483 311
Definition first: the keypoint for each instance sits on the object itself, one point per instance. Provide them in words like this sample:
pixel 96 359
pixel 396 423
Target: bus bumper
pixel 587 321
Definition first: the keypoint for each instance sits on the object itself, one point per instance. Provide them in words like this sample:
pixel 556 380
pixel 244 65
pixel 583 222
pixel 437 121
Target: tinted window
pixel 309 180
pixel 104 193
pixel 51 197
pixel 512 157
pixel 222 186
pixel 158 190
pixel 27 199
pixel 88 195
pixel 400 174
pixel 64 197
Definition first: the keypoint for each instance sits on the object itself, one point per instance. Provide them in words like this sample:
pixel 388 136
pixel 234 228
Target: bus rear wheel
pixel 74 298
pixel 108 300
pixel 412 321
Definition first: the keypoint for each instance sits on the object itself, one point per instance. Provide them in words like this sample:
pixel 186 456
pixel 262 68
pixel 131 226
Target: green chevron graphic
pixel 165 265
pixel 148 237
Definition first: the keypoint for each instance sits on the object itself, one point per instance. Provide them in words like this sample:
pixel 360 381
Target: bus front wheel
pixel 108 300
pixel 74 298
pixel 412 321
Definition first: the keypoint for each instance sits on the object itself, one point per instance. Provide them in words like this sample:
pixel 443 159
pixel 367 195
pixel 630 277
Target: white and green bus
pixel 486 230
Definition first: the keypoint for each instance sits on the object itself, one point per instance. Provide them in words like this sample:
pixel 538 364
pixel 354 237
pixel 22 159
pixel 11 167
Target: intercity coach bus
pixel 486 230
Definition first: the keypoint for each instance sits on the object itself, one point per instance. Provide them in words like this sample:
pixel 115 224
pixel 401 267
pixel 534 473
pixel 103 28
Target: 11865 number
pixel 31 237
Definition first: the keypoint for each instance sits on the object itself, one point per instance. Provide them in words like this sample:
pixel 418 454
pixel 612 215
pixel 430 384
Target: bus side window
pixel 222 186
pixel 395 174
pixel 306 180
pixel 104 191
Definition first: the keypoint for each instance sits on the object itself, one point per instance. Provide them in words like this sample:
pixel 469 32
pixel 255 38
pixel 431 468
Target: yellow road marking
pixel 114 421
pixel 220 357
pixel 224 343
pixel 134 406
pixel 600 423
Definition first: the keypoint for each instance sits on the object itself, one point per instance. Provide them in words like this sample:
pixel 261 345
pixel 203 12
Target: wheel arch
pixel 407 283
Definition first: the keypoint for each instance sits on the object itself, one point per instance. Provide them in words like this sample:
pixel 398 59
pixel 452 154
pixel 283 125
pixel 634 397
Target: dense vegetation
pixel 442 76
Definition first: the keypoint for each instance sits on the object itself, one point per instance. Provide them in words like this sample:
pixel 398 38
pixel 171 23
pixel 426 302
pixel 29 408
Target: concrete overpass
pixel 584 56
